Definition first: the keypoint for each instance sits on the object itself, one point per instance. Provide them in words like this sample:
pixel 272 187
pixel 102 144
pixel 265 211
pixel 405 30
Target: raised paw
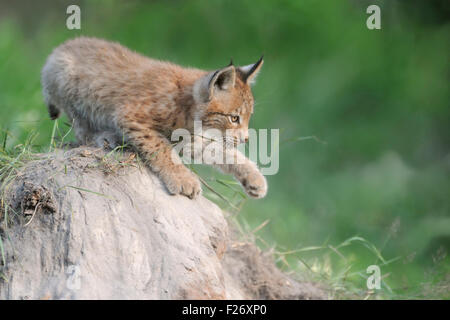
pixel 181 180
pixel 255 184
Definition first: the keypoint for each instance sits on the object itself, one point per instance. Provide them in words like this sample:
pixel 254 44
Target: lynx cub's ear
pixel 248 73
pixel 213 82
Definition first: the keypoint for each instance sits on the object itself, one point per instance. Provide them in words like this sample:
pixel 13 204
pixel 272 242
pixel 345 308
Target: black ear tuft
pixel 248 73
pixel 256 65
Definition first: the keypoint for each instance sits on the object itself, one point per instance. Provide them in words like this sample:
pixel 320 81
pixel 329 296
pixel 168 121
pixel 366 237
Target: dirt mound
pixel 83 224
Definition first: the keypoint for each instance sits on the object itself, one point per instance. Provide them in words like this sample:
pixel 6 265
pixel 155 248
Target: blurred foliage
pixel 378 99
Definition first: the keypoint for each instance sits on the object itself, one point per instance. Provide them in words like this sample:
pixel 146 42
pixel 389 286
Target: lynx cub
pixel 110 92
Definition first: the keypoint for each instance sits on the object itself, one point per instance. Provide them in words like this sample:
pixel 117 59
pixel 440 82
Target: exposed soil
pixel 83 225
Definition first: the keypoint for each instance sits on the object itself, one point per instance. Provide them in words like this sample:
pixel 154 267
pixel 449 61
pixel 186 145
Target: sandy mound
pixel 85 225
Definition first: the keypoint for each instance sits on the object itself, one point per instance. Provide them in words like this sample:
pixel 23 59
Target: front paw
pixel 180 180
pixel 255 184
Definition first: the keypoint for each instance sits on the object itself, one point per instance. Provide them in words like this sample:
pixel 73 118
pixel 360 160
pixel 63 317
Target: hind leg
pixel 86 135
pixel 83 132
pixel 106 139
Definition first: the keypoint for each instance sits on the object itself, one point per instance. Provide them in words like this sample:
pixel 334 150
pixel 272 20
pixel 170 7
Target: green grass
pixel 363 118
pixel 334 266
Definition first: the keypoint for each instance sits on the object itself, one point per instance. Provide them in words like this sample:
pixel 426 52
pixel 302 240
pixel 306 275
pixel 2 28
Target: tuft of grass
pixel 11 161
pixel 333 266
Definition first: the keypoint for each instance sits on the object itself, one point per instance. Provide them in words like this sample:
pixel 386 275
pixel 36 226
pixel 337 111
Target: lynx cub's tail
pixel 49 85
pixel 53 111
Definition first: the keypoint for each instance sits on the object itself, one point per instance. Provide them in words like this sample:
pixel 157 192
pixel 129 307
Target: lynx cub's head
pixel 224 101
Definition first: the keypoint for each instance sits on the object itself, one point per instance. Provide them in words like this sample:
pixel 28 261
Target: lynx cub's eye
pixel 234 119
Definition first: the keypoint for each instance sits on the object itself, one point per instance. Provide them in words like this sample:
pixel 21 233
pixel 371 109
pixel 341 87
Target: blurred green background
pixel 375 101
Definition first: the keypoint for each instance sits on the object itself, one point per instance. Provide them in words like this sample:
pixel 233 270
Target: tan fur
pixel 111 94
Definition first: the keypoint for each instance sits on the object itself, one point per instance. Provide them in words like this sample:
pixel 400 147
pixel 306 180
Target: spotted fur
pixel 111 94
